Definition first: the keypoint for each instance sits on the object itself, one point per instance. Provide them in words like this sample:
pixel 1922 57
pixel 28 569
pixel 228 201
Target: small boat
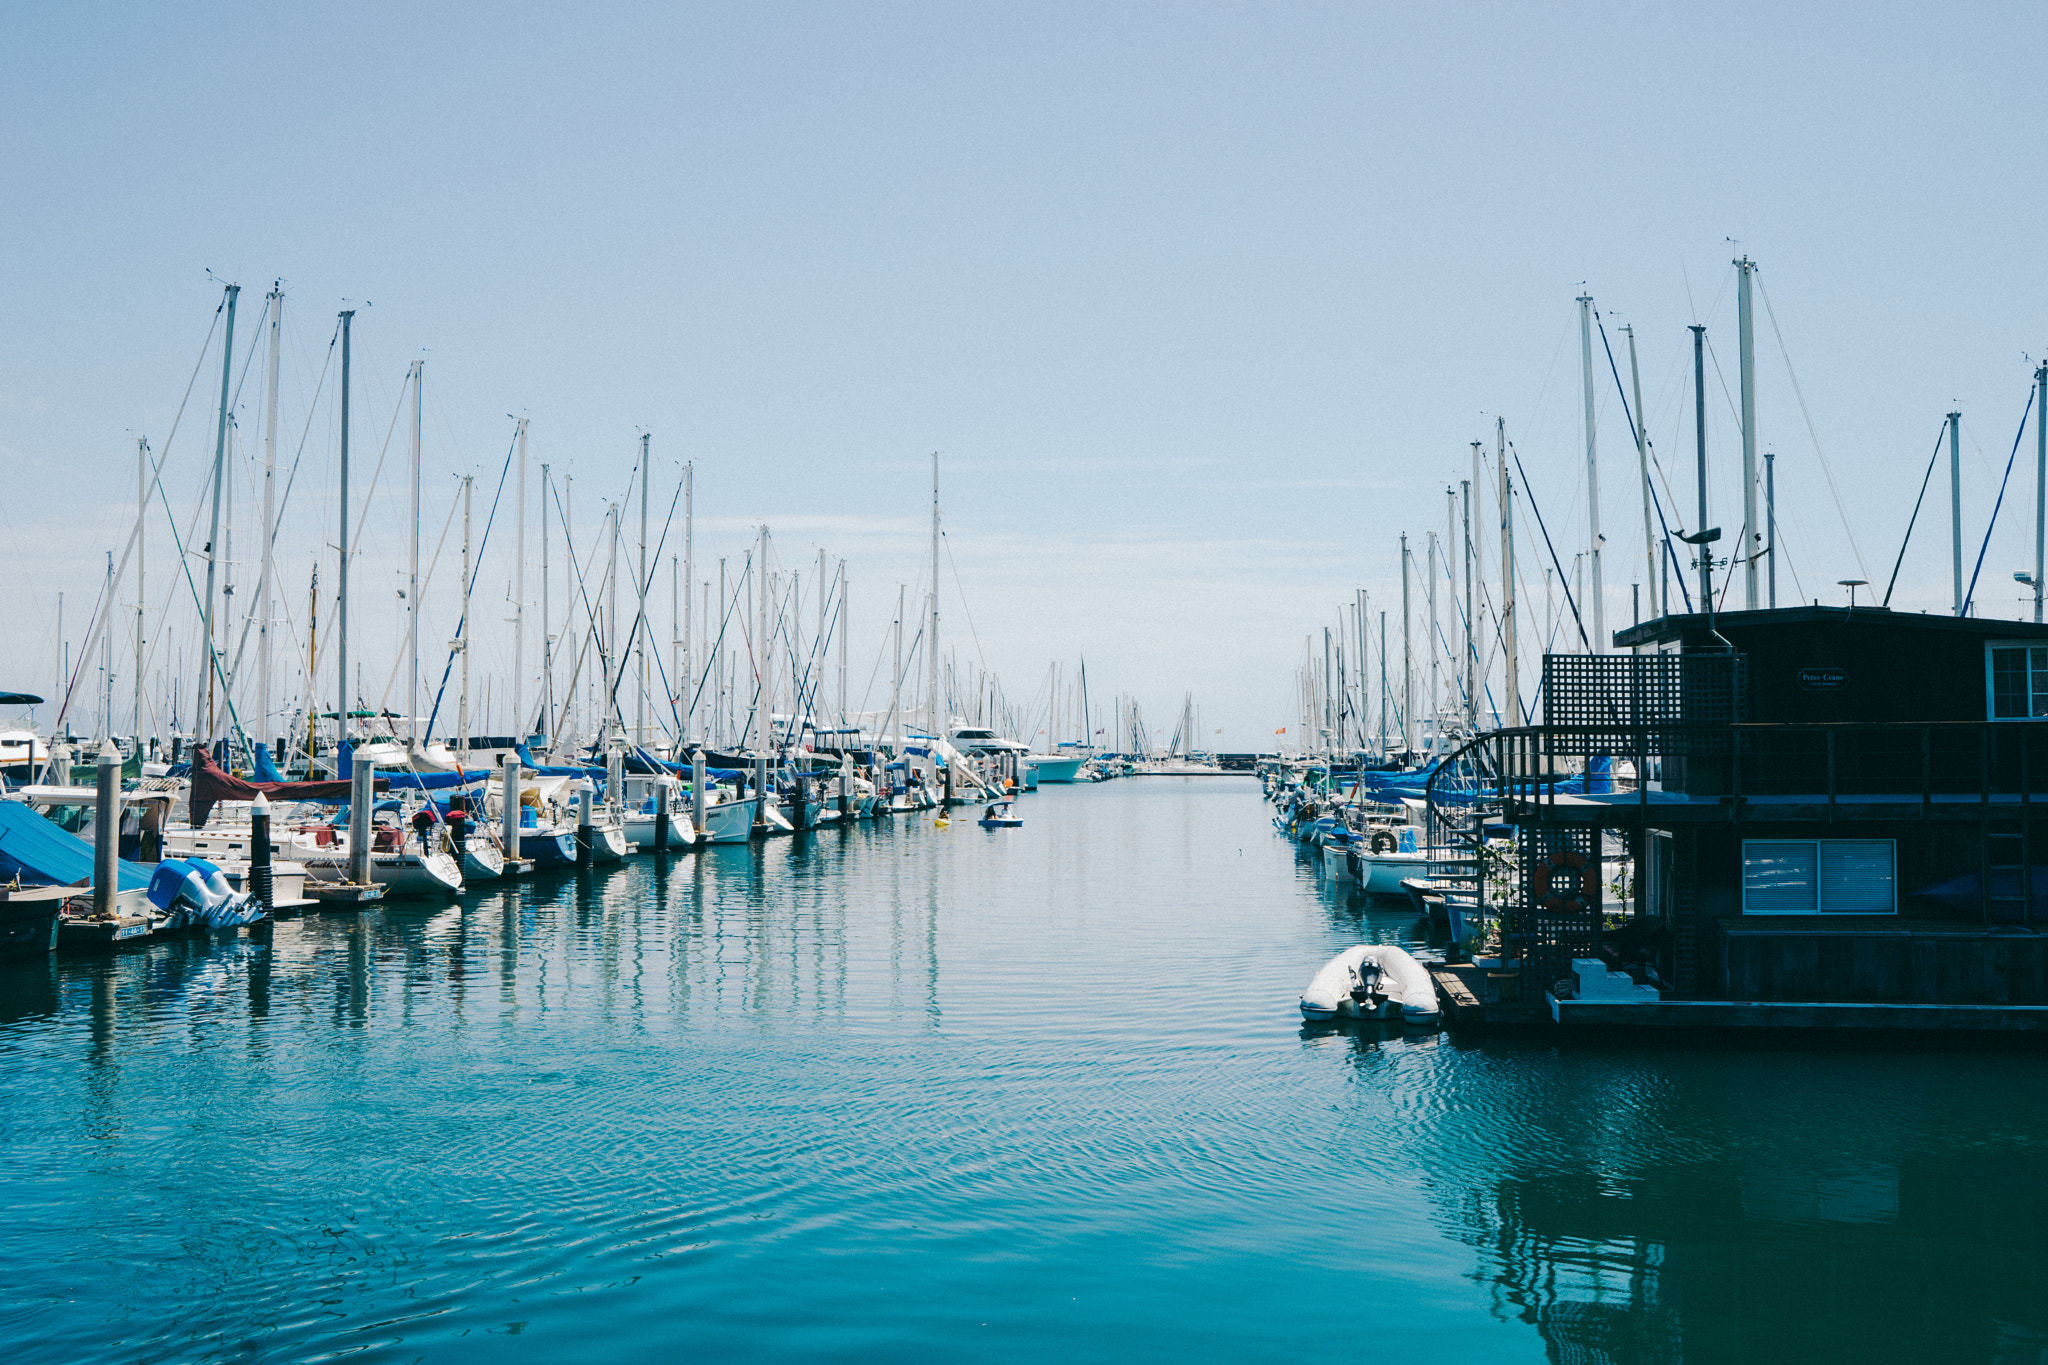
pixel 1372 981
pixel 998 816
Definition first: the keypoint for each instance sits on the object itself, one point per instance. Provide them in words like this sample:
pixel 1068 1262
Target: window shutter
pixel 1856 877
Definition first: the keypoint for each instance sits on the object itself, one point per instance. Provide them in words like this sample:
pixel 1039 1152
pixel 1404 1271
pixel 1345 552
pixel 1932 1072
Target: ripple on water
pixel 896 1091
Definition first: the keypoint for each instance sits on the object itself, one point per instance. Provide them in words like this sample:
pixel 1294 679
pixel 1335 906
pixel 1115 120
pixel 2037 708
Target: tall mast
pixel 1434 712
pixel 764 666
pixel 519 726
pixel 1752 530
pixel 547 640
pixel 687 659
pixel 1658 606
pixel 2040 485
pixel 1699 407
pixel 896 679
pixel 1507 574
pixel 1471 659
pixel 412 573
pixel 341 707
pixel 1771 521
pixel 141 597
pixel 1407 660
pixel 462 640
pixel 267 573
pixel 640 635
pixel 1955 500
pixel 1599 642
pixel 220 455
pixel 935 721
pixel 608 698
pixel 842 642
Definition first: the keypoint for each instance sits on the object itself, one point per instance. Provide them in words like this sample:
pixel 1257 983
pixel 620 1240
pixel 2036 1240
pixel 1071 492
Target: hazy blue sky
pixel 1201 303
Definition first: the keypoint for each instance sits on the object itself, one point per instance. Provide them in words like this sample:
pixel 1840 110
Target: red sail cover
pixel 210 786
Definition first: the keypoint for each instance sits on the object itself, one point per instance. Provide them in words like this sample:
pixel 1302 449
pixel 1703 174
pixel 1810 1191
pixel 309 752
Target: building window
pixel 2018 681
pixel 1819 877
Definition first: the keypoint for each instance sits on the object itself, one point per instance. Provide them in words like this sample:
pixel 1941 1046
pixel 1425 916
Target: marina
pixel 774 1097
pixel 877 683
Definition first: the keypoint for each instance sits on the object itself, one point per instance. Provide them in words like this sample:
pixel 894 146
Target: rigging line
pixel 1970 595
pixel 1925 479
pixel 312 407
pixel 462 622
pixel 711 651
pixel 397 407
pixel 1811 433
pixel 1638 432
pixel 640 613
pixel 961 588
pixel 1563 582
pixel 412 603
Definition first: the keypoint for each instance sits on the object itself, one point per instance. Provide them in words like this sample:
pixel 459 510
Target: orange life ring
pixel 1560 882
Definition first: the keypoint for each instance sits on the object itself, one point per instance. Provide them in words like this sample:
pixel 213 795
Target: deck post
pixel 260 882
pixel 362 795
pixel 508 809
pixel 106 831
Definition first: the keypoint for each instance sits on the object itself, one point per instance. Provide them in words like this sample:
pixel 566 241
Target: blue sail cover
pixel 35 850
pixel 266 766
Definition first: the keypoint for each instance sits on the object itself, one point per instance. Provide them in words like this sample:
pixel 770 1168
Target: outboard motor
pixel 195 891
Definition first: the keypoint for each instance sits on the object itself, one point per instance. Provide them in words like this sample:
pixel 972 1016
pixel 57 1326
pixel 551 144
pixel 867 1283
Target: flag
pixel 1281 731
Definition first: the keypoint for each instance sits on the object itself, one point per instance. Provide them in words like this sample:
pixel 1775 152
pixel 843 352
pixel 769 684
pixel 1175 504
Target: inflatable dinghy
pixel 1372 981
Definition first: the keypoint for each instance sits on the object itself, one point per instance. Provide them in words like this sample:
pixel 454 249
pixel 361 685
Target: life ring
pixel 1383 842
pixel 1559 882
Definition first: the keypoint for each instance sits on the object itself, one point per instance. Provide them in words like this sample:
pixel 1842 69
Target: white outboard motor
pixel 1372 981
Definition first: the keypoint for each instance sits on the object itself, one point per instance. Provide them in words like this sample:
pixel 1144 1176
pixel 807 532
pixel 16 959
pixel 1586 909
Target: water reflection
pixel 1665 1202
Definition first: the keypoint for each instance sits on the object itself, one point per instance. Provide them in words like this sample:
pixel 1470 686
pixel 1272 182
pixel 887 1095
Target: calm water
pixel 903 1093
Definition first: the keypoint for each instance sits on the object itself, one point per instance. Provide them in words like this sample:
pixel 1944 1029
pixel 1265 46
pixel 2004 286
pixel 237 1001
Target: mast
pixel 842 642
pixel 1752 530
pixel 412 573
pixel 267 574
pixel 934 719
pixel 610 697
pixel 1599 643
pixel 1434 712
pixel 341 708
pixel 547 639
pixel 462 639
pixel 1507 574
pixel 2040 486
pixel 896 679
pixel 1471 640
pixel 1384 738
pixel 686 660
pixel 1955 499
pixel 1657 605
pixel 220 455
pixel 1699 407
pixel 640 635
pixel 519 596
pixel 1771 520
pixel 141 523
pixel 1407 660
pixel 764 655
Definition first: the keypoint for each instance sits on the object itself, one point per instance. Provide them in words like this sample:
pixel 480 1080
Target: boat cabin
pixel 1835 819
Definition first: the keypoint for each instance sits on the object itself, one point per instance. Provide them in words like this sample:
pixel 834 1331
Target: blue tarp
pixel 35 850
pixel 266 766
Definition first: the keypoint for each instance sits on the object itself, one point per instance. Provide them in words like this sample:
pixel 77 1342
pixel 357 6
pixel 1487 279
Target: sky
pixel 1200 304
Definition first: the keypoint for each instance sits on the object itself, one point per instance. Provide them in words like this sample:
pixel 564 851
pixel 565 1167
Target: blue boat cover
pixel 35 850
